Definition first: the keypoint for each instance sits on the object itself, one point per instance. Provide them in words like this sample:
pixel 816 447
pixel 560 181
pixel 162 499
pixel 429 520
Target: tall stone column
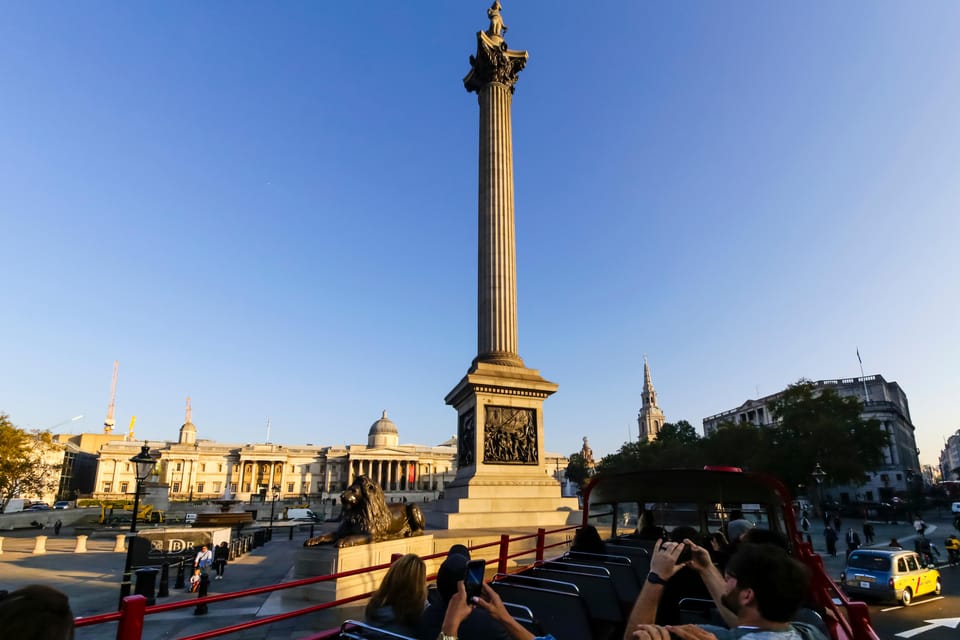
pixel 499 403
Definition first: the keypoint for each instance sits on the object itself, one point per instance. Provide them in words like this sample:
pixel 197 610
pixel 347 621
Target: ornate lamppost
pixel 143 466
pixel 819 474
pixel 273 503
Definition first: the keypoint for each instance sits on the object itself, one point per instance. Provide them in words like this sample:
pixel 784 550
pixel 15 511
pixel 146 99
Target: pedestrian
pixel 204 559
pixel 220 556
pixel 853 541
pixel 836 522
pixel 56 527
pixel 895 544
pixel 867 533
pixel 195 581
pixel 952 545
pixel 805 524
pixel 830 535
pixel 919 525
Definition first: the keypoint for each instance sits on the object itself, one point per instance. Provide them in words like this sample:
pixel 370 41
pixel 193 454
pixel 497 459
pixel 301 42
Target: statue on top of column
pixel 494 62
pixel 497 28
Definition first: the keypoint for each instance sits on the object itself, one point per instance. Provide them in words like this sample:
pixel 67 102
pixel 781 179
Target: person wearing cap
pixel 737 528
pixel 478 625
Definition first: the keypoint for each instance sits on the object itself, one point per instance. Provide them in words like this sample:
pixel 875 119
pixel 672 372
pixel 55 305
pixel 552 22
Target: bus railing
pixel 133 612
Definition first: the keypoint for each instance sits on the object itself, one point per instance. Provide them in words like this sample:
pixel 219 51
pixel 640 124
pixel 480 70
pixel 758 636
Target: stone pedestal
pixel 502 479
pixel 327 559
pixel 121 544
pixel 81 544
pixel 40 544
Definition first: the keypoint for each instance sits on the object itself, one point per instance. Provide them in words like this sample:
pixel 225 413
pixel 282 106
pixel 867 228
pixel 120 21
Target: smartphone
pixel 685 555
pixel 473 578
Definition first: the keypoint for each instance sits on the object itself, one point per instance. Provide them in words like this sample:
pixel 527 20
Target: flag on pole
pixel 858 356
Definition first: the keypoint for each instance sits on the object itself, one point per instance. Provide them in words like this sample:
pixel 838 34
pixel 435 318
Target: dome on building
pixel 188 433
pixel 383 433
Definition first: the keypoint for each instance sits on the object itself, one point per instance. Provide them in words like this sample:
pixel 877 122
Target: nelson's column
pixel 501 478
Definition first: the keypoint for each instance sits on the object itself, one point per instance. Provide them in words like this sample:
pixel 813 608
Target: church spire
pixel 650 420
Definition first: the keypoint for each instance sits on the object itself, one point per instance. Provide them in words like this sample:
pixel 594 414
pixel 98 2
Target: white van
pixel 302 514
pixel 955 507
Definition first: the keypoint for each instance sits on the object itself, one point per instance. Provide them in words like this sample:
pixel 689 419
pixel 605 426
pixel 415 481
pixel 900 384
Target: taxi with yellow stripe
pixel 889 574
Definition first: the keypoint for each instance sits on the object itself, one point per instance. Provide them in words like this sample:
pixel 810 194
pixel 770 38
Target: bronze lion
pixel 368 518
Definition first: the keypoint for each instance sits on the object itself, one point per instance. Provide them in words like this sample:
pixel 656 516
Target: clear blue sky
pixel 271 208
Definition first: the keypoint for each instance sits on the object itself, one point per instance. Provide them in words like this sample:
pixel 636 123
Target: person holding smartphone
pixel 477 624
pixel 461 607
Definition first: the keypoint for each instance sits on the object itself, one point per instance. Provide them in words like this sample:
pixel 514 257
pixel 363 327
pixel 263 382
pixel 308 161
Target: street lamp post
pixel 273 503
pixel 143 465
pixel 819 474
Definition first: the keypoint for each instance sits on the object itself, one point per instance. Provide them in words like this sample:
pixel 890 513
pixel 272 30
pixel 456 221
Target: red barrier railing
pixel 133 609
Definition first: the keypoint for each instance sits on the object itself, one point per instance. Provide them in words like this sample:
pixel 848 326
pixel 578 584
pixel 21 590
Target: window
pixel 126 467
pixel 899 476
pixel 175 488
pixel 233 487
pixel 289 487
pixel 320 486
pixel 912 563
pixel 219 467
pixel 869 496
pixel 179 466
pixel 901 565
pixel 124 486
pixel 203 467
pixel 216 487
pixel 199 487
pixel 108 487
pixel 246 486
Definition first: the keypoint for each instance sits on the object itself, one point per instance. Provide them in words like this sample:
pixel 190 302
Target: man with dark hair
pixel 478 625
pixel 757 595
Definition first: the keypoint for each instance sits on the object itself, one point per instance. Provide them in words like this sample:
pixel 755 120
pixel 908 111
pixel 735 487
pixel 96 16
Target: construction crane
pixel 109 422
pixel 132 420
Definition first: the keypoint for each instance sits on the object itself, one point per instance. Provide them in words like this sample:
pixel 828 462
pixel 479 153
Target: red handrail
pixel 133 609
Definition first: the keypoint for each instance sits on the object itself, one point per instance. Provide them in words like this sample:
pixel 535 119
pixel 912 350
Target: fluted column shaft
pixel 497 263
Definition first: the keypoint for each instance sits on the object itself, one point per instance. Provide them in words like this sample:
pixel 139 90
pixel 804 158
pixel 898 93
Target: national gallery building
pixel 195 469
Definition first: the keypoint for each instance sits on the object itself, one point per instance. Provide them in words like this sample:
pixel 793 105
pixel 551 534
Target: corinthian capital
pixel 494 63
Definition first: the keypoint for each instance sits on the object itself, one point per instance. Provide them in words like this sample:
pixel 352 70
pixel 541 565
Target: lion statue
pixel 368 518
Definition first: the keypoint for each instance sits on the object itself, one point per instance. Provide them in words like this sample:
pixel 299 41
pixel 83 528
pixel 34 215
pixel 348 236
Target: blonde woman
pixel 398 603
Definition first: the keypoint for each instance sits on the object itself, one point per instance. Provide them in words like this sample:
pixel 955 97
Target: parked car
pixel 889 574
pixel 61 504
pixel 955 507
pixel 38 507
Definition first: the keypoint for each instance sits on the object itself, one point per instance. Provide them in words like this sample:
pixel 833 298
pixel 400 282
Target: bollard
pixel 1 544
pixel 164 589
pixel 291 532
pixel 40 545
pixel 180 583
pixel 146 581
pixel 202 593
pixel 234 545
pixel 81 544
pixel 121 543
pixel 311 530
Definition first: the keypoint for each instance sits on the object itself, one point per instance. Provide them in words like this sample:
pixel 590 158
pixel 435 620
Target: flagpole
pixel 863 378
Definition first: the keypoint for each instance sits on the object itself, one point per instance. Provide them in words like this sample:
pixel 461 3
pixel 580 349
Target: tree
pixel 677 446
pixel 23 468
pixel 680 433
pixel 817 425
pixel 577 471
